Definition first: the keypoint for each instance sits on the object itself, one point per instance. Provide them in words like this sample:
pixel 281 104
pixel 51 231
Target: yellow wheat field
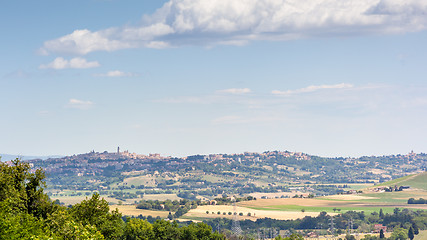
pixel 200 211
pixel 131 210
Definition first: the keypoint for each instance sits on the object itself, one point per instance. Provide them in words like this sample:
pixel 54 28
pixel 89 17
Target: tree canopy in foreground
pixel 26 212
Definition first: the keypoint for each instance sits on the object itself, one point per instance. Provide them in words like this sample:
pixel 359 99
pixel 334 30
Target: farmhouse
pixel 378 227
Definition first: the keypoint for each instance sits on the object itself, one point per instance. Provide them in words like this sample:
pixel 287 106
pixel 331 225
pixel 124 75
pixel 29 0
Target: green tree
pixel 399 234
pixel 381 215
pixel 22 190
pixel 64 226
pixel 23 205
pixel 396 211
pixel 411 233
pixel 165 230
pixel 138 229
pixel 96 212
pixel 19 225
pixel 382 234
pixel 349 237
pixel 26 212
pixel 415 227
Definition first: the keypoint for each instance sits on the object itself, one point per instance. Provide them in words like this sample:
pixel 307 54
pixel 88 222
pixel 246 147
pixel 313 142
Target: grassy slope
pixel 393 197
pixel 415 181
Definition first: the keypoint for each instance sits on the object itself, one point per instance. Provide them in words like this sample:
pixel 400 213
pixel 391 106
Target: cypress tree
pixel 411 233
pixel 382 233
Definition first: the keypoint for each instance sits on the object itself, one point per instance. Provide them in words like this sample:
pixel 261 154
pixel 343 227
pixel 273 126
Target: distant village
pixel 93 163
pixel 270 173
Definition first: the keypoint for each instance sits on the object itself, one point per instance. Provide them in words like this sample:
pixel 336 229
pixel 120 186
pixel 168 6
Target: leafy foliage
pixel 26 212
pixel 399 234
pixel 96 212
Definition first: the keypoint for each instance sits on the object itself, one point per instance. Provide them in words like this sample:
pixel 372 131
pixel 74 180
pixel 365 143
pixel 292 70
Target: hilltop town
pixel 282 173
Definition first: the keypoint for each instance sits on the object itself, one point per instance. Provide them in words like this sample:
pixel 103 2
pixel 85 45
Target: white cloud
pixel 61 63
pixel 312 88
pixel 84 41
pixel 115 73
pixel 79 104
pixel 235 90
pixel 236 22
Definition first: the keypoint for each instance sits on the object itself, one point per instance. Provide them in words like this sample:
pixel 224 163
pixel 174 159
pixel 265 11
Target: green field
pixel 356 186
pixel 393 197
pixel 414 181
pixel 325 209
pixel 368 202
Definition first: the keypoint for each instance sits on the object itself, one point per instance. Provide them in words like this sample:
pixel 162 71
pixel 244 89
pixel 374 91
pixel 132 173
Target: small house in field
pixel 378 227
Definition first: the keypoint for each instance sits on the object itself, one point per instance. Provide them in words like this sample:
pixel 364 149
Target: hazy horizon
pixel 27 157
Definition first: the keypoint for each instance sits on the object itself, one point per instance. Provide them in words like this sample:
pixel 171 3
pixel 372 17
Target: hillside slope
pixel 418 181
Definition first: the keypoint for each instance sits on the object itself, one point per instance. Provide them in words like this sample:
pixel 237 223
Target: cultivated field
pixel 333 204
pixel 259 195
pixel 131 210
pixel 417 181
pixel 67 200
pixel 200 212
pixel 283 208
pixel 161 197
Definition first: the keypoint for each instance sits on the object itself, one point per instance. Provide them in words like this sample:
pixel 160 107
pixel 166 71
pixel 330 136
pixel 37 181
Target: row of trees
pixel 419 201
pixel 180 207
pixel 26 212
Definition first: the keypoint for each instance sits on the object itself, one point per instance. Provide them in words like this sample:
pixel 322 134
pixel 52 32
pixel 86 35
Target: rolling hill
pixel 417 181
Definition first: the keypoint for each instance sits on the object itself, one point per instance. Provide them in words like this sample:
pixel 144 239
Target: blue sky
pixel 181 77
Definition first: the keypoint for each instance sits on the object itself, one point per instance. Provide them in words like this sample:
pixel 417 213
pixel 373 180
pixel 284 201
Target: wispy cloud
pixel 236 22
pixel 115 73
pixel 312 88
pixel 79 104
pixel 61 63
pixel 235 91
pixel 339 100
